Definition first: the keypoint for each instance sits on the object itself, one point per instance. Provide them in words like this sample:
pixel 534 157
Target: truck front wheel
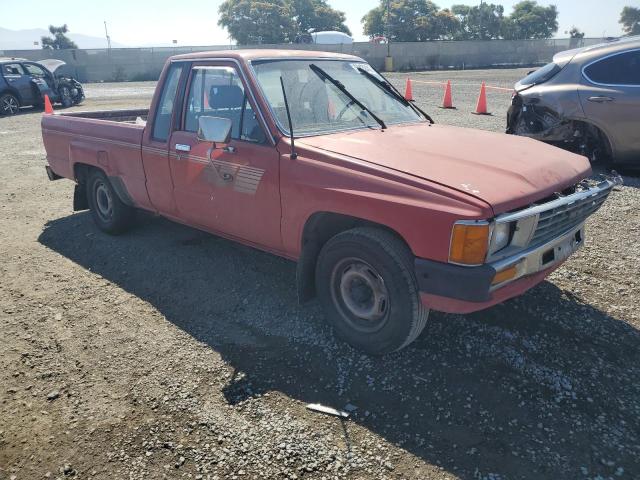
pixel 367 286
pixel 109 213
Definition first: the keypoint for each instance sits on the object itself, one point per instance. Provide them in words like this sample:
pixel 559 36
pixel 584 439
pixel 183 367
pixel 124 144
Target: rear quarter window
pixel 618 69
pixel 541 75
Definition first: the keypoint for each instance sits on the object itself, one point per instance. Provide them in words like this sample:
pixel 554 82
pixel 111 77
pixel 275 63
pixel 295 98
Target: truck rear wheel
pixel 109 213
pixel 367 286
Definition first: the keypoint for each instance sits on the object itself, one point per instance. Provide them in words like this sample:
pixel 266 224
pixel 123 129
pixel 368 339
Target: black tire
pixel 65 97
pixel 108 212
pixel 366 284
pixel 9 104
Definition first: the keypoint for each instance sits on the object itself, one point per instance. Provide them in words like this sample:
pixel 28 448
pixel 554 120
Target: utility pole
pixel 388 61
pixel 388 25
pixel 480 12
pixel 106 32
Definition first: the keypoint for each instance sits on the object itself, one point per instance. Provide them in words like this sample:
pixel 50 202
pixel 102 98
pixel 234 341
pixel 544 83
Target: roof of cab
pixel 262 54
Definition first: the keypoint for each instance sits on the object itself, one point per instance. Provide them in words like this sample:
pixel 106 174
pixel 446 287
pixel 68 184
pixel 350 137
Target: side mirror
pixel 214 129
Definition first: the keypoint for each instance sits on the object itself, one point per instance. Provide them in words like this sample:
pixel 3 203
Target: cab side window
pixel 218 92
pixel 164 110
pixel 620 69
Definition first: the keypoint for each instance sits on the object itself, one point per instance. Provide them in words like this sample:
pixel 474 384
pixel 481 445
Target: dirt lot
pixel 170 353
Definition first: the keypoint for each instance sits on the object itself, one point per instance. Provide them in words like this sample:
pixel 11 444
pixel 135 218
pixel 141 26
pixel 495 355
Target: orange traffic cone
pixel 481 107
pixel 447 101
pixel 48 108
pixel 408 91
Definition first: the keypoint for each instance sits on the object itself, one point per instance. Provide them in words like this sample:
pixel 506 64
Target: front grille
pixel 557 221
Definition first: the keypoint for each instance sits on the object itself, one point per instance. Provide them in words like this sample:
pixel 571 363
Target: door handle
pixel 600 99
pixel 181 147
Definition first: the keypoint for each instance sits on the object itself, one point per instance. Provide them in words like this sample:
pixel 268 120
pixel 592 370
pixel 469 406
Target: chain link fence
pixel 138 64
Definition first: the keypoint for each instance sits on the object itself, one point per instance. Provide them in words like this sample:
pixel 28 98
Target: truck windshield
pixel 318 106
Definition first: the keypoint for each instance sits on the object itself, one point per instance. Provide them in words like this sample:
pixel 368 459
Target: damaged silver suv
pixel 587 101
pixel 25 83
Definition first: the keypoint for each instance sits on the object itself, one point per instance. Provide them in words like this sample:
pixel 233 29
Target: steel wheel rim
pixel 104 202
pixel 360 294
pixel 10 105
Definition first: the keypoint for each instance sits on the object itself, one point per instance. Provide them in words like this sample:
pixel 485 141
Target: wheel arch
pixel 317 230
pixel 12 91
pixel 602 130
pixel 81 172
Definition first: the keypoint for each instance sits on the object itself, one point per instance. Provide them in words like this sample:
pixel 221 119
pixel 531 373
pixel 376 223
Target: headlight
pixel 469 242
pixel 500 237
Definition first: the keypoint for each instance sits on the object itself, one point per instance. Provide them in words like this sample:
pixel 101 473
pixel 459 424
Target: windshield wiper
pixel 389 88
pixel 325 76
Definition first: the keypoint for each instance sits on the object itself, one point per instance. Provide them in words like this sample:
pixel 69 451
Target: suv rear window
pixel 620 69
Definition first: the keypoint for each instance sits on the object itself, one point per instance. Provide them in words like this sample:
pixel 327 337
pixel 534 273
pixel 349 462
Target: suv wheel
pixel 65 97
pixel 108 212
pixel 366 284
pixel 9 104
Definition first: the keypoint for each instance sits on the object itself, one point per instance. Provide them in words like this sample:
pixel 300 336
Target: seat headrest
pixel 226 96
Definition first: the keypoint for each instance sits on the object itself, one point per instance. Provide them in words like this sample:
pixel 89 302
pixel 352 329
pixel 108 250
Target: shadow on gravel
pixel 544 386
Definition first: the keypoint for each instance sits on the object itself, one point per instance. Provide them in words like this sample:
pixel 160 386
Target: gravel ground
pixel 170 353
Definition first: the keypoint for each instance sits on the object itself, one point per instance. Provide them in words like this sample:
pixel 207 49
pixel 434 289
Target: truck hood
pixel 506 171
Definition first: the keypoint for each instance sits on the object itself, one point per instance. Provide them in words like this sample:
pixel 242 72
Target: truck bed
pixel 122 116
pixel 109 140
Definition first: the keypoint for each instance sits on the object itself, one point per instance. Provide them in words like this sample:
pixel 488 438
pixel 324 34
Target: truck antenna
pixel 294 155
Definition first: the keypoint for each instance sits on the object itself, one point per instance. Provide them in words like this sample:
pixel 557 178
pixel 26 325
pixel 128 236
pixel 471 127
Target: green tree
pixel 60 41
pixel 479 22
pixel 277 21
pixel 575 33
pixel 530 20
pixel 410 21
pixel 318 16
pixel 630 20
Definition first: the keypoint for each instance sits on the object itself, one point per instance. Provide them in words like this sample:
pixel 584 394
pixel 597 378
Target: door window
pixel 34 70
pixel 12 69
pixel 218 92
pixel 164 110
pixel 620 69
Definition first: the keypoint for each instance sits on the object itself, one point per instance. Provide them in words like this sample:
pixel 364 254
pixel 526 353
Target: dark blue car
pixel 24 83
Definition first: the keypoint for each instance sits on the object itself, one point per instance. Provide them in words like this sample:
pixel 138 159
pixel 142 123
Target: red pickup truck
pixel 317 158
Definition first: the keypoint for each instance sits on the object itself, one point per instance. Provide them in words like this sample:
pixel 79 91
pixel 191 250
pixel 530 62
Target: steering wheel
pixel 344 110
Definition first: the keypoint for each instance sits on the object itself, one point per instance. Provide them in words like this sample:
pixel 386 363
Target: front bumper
pixel 457 289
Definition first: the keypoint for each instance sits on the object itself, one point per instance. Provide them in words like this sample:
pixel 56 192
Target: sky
pixel 194 22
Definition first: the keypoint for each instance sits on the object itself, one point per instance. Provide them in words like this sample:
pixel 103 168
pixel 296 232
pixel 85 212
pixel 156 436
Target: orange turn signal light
pixel 504 275
pixel 469 243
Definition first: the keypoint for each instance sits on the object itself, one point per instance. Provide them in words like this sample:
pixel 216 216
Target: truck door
pixel 233 191
pixel 610 97
pixel 17 79
pixel 155 142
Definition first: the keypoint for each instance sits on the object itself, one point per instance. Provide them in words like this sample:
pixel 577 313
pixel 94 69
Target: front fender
pixel 421 212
